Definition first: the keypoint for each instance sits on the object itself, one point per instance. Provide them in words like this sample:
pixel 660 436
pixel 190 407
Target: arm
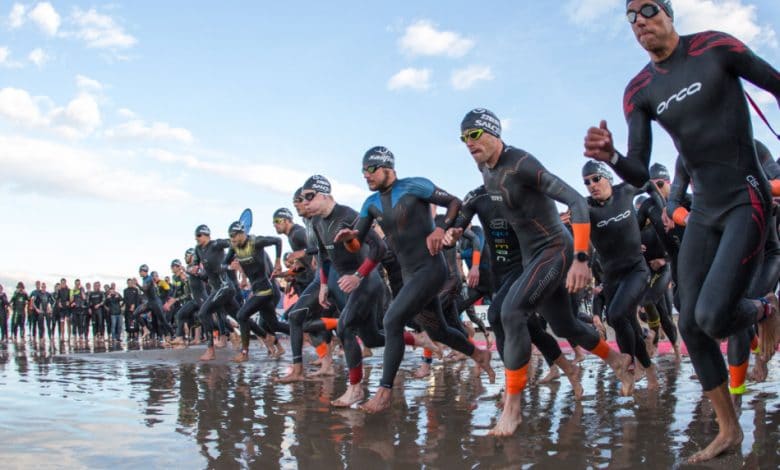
pixel 674 206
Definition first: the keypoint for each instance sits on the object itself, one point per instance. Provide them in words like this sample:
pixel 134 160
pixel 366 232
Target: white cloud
pixel 463 79
pixel 18 106
pixel 16 17
pixel 275 178
pixel 422 38
pixel 157 131
pixel 5 59
pixel 38 57
pixel 4 53
pixel 690 16
pixel 52 169
pixel 86 83
pixel 126 113
pixel 416 79
pixel 46 17
pixel 101 31
pixel 79 118
pixel 729 16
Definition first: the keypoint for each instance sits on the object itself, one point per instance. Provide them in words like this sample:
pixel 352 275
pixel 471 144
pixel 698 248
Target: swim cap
pixel 283 213
pixel 175 262
pixel 202 229
pixel 666 5
pixel 380 157
pixel 659 172
pixel 189 252
pixel 318 183
pixel 144 268
pixel 236 227
pixel 480 118
pixel 594 167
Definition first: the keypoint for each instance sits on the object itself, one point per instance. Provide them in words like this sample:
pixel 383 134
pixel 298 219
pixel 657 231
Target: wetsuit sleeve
pixel 633 168
pixel 365 219
pixel 743 62
pixel 652 190
pixel 263 241
pixel 376 247
pixel 442 198
pixel 467 211
pixel 679 188
pixel 535 175
pixel 222 243
pixel 473 238
pixel 229 256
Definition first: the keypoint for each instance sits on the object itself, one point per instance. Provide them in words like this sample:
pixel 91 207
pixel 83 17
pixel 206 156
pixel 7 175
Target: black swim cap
pixel 236 227
pixel 481 119
pixel 202 229
pixel 283 213
pixel 379 157
pixel 666 5
pixel 317 183
pixel 144 268
pixel 659 172
pixel 175 262
pixel 594 167
pixel 189 252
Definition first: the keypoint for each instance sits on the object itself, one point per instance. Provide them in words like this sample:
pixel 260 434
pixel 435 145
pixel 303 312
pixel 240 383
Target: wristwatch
pixel 581 256
pixel 614 158
pixel 359 276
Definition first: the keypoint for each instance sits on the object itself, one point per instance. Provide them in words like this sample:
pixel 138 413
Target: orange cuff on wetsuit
pixel 322 349
pixel 516 380
pixel 775 184
pixel 737 376
pixel 353 246
pixel 330 323
pixel 679 216
pixel 476 257
pixel 581 236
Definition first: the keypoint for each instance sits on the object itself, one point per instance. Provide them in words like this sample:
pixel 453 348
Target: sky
pixel 124 125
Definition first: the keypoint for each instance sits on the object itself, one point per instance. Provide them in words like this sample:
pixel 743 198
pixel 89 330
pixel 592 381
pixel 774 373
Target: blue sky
pixel 126 124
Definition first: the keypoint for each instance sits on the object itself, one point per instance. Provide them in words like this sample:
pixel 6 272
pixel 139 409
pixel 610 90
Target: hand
pixel 472 280
pixel 349 283
pixel 668 222
pixel 642 248
pixel 324 296
pixel 235 265
pixel 578 277
pixel 597 290
pixel 434 241
pixel 598 143
pixel 277 268
pixel 656 264
pixel 452 236
pixel 345 235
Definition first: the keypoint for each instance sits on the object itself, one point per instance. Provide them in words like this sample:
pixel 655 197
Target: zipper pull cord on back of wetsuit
pixel 761 115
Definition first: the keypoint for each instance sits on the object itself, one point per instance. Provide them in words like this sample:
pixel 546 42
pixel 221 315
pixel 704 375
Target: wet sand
pixel 161 408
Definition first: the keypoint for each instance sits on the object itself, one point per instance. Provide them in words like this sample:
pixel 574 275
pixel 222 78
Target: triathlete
pixel 401 208
pixel 248 251
pixel 692 89
pixel 131 298
pixel 196 289
pixel 153 304
pixel 95 301
pixel 526 193
pixel 19 303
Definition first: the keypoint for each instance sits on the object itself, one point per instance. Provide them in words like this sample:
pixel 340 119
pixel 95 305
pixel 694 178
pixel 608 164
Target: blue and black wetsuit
pixel 403 212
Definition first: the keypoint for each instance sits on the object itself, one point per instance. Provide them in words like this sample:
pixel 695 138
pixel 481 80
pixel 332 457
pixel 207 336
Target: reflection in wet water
pixel 160 408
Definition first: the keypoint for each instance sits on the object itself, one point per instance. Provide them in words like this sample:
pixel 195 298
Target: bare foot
pixel 620 364
pixel 295 375
pixel 220 342
pixel 677 352
pixel 723 442
pixel 760 370
pixel 649 346
pixel 353 395
pixel 482 358
pixel 235 340
pixel 209 355
pixel 268 341
pixel 579 355
pixel 326 367
pixel 279 352
pixel 511 416
pixel 652 377
pixel 243 356
pixel 553 374
pixel 573 374
pixel 379 402
pixel 423 371
pixel 769 329
pixel 422 340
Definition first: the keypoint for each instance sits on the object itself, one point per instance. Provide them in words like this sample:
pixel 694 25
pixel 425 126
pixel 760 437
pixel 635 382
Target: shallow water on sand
pixel 161 408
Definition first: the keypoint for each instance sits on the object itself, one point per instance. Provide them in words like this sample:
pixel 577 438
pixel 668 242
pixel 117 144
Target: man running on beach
pixel 692 89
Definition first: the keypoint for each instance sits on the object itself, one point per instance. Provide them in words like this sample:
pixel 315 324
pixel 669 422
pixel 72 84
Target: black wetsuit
pixel 361 308
pixel 19 302
pixel 403 212
pixel 506 266
pixel 254 262
pixel 153 304
pixel 4 305
pixel 196 289
pixel 62 308
pixel 95 301
pixel 80 320
pixel 223 292
pixel 657 300
pixel 43 303
pixel 616 236
pixel 485 287
pixel 299 240
pixel 131 297
pixel 525 192
pixel 696 96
